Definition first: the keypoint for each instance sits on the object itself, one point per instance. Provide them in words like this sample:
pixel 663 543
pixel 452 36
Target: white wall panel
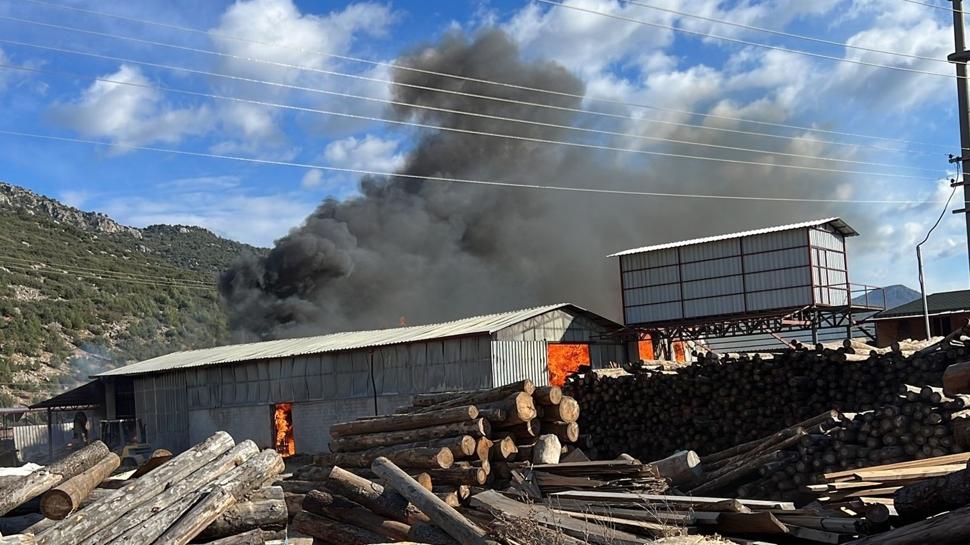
pixel 653 313
pixel 246 422
pixel 710 250
pixel 651 277
pixel 777 279
pixel 713 306
pixel 784 298
pixel 712 269
pixel 728 285
pixel 779 259
pixel 656 294
pixel 775 241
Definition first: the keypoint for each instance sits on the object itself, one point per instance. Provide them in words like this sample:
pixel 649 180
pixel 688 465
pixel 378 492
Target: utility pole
pixel 961 56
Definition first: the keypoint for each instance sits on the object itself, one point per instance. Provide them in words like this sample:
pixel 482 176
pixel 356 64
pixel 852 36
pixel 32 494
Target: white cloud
pixel 368 153
pixel 277 31
pixel 75 198
pixel 130 114
pixel 312 179
pixel 235 214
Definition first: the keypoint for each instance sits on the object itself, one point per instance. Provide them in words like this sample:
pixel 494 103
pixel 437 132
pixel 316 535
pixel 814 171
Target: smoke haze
pixel 432 251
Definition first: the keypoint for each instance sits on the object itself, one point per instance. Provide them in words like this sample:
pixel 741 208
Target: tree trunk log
pixel 934 495
pixel 472 397
pixel 135 520
pixel 427 534
pixel 78 526
pixel 956 379
pixel 384 502
pixel 23 489
pixel 518 408
pixel 567 432
pixel 548 449
pixel 682 467
pixel 159 456
pixel 548 395
pixel 440 513
pixel 503 449
pixel 418 458
pixel 274 492
pixel 483 448
pixel 474 476
pixel 333 532
pixel 476 428
pixel 213 504
pixel 566 411
pixel 947 529
pixel 252 537
pixel 66 497
pixel 323 503
pixel 246 516
pixel 19 539
pixel 405 421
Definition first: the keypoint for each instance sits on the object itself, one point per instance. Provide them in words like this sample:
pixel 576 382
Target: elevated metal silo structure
pixel 785 278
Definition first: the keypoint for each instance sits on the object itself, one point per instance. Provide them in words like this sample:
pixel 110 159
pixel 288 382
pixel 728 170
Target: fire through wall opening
pixel 283 429
pixel 564 359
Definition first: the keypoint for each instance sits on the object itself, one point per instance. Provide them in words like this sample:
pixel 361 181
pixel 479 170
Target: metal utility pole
pixel 961 56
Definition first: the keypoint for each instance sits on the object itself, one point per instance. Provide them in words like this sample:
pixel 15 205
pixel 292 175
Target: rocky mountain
pixel 80 292
pixel 895 295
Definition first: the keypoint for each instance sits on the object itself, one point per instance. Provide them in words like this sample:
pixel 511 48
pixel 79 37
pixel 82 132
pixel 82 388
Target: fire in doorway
pixel 564 359
pixel 283 429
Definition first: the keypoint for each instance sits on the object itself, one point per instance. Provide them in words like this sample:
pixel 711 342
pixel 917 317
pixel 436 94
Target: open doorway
pixel 564 359
pixel 283 429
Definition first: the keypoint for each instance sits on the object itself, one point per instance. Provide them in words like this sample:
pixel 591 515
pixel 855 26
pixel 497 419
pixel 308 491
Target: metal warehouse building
pixel 184 397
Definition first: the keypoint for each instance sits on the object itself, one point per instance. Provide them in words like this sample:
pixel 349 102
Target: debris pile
pixel 216 490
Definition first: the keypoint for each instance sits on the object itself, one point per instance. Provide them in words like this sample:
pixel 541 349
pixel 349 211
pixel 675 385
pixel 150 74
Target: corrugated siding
pixel 31 440
pixel 161 402
pixel 758 272
pixel 517 360
pixel 254 422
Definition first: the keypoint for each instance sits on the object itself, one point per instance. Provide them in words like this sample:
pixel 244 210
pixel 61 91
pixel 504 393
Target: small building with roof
pixel 285 394
pixel 948 311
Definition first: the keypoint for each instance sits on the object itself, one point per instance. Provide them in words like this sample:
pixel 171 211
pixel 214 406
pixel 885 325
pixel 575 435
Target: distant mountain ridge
pixel 80 292
pixel 895 295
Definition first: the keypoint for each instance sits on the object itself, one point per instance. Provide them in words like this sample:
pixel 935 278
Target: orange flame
pixel 283 425
pixel 564 360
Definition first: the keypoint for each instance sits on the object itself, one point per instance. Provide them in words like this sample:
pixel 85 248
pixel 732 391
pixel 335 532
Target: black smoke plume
pixel 432 251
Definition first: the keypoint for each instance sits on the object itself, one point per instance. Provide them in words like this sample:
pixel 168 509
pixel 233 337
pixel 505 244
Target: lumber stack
pixel 722 401
pixel 212 491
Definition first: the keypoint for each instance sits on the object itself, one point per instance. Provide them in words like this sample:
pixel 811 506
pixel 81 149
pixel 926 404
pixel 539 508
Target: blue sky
pixel 56 94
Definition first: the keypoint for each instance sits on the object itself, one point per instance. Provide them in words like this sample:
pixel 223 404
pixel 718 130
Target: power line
pixel 785 34
pixel 937 6
pixel 745 42
pixel 433 178
pixel 442 74
pixel 440 127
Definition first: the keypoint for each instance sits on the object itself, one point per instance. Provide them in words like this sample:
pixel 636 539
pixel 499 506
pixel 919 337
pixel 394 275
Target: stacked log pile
pixel 720 402
pixel 217 489
pixel 457 440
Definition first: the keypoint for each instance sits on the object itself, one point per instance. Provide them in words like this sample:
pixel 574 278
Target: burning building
pixel 285 394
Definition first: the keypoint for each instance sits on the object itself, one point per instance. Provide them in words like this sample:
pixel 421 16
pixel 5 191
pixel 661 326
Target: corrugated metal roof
pixel 837 223
pixel 947 302
pixel 334 342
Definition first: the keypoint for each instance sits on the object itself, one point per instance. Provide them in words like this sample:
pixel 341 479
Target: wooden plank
pixel 656 528
pixel 655 498
pixel 750 523
pixel 961 458
pixel 492 501
pixel 884 476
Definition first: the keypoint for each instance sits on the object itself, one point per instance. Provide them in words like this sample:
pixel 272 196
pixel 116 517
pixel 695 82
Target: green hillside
pixel 80 293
